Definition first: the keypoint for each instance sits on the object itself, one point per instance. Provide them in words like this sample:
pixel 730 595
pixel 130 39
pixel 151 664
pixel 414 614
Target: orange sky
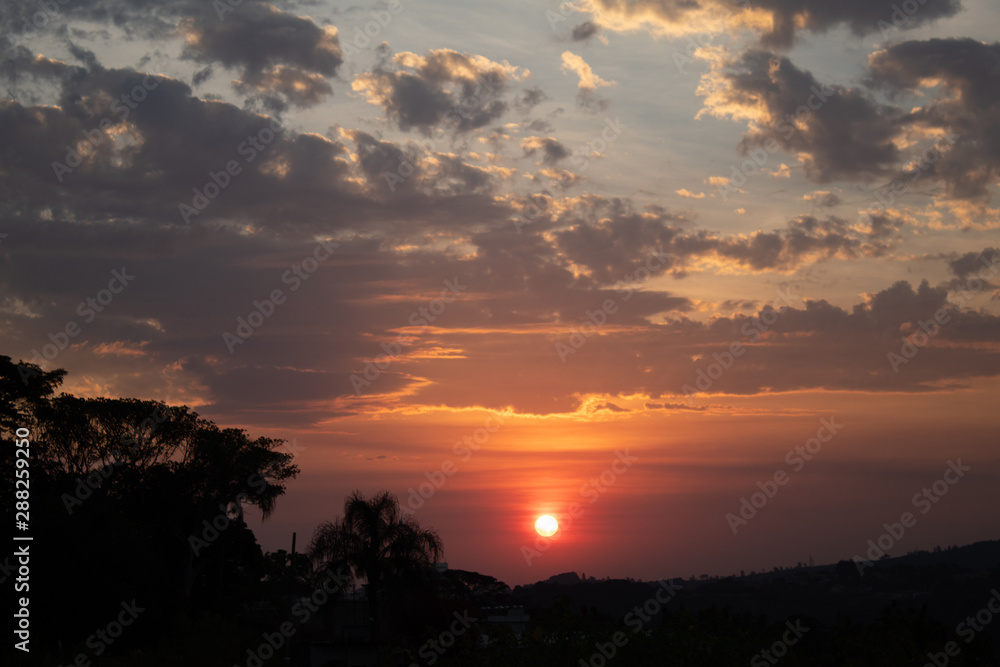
pixel 665 515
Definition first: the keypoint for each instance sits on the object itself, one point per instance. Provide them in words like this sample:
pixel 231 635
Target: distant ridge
pixel 947 582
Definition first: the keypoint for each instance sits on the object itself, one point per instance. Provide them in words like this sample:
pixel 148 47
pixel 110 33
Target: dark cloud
pixel 969 108
pixel 141 19
pixel 835 348
pixel 971 262
pixel 142 145
pixel 453 177
pixel 734 304
pixel 299 88
pixel 845 134
pixel 409 217
pixel 617 247
pixel 278 53
pixel 531 98
pixel 839 133
pixel 589 100
pixel 551 150
pixel 539 125
pixel 202 75
pixel 519 288
pixel 863 17
pixel 444 88
pixel 805 239
pixel 561 179
pixel 584 31
pixel 85 56
pixel 377 158
pixel 823 199
pixel 395 172
pixel 673 406
pixel 807 345
pixel 126 144
pixel 618 244
pixel 786 17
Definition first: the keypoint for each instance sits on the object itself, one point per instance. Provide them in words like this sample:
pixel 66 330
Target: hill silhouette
pixel 899 611
pixel 947 582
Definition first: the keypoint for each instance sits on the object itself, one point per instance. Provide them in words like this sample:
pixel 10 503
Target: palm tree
pixel 374 540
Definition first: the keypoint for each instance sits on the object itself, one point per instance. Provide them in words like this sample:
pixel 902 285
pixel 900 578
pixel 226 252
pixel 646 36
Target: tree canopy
pixel 148 498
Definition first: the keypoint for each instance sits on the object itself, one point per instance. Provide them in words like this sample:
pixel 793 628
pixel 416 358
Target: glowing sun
pixel 546 525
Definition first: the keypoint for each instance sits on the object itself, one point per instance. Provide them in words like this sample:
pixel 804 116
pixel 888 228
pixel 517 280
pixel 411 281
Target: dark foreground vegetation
pixel 141 556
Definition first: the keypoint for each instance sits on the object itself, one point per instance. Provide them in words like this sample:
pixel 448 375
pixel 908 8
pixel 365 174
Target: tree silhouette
pixel 23 388
pixel 148 499
pixel 374 540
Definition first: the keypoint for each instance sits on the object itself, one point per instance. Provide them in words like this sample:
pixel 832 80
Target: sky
pixel 713 283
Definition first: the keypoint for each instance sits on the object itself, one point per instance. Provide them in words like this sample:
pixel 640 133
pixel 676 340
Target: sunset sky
pixel 634 257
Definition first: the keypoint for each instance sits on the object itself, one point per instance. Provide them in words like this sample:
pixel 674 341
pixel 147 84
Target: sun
pixel 546 525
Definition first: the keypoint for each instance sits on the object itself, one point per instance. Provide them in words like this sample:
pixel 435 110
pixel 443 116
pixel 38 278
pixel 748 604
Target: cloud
pixel 804 239
pixel 776 21
pixel 616 243
pixel 572 63
pixel 822 198
pixel 251 34
pixel 838 133
pixel 562 179
pixel 585 31
pixel 149 161
pixel 609 407
pixel 552 151
pixel 445 88
pixel 684 192
pixel 257 36
pixel 301 89
pixel 808 345
pixel 673 406
pixel 969 263
pixel 282 58
pixel 409 215
pixel 587 96
pixel 530 98
pixel 969 162
pixel 520 301
pixel 845 134
pixel 611 241
pixel 783 171
pixel 121 348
